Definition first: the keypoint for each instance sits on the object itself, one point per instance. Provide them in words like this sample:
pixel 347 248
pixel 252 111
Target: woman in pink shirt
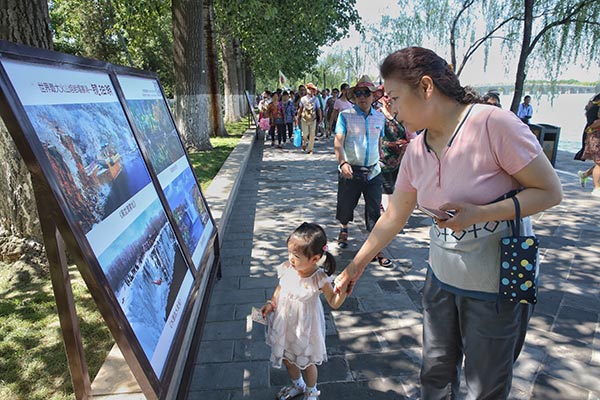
pixel 467 159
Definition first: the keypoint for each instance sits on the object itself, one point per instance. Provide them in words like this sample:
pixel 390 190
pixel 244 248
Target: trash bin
pixel 538 131
pixel 550 141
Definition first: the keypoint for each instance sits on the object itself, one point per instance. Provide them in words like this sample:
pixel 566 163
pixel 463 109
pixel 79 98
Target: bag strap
pixel 516 225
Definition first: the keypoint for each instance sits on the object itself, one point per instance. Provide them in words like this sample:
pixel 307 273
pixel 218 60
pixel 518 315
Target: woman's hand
pixel 465 215
pixel 344 283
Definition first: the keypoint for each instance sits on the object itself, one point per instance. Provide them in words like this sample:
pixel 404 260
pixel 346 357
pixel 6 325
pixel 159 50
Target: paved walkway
pixel 374 340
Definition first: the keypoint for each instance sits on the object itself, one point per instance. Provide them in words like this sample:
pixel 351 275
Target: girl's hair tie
pixel 325 248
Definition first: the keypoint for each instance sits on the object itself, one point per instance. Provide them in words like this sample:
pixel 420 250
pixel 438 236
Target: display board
pixel 159 138
pixel 125 189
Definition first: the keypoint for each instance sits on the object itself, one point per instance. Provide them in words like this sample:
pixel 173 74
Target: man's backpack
pixel 308 111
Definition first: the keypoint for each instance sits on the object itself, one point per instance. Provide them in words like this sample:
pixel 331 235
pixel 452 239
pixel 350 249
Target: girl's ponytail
pixel 330 264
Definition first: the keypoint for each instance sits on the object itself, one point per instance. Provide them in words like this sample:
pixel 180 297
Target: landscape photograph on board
pixel 149 276
pixel 159 136
pixel 91 154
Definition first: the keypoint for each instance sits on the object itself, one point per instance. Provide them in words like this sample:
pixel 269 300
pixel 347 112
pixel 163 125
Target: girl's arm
pixel 334 299
pixel 271 305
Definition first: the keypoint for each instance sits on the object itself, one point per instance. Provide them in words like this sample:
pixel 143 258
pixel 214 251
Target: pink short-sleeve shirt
pixel 490 145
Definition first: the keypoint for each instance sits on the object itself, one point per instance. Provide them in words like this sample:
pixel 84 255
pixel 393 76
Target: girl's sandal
pixel 290 392
pixel 343 238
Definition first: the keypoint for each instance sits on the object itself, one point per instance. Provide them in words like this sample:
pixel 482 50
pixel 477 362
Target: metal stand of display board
pixel 63 294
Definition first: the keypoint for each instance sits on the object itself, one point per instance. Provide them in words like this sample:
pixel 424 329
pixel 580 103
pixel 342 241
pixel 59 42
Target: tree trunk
pixel 212 67
pixel 25 22
pixel 243 103
pixel 250 83
pixel 525 51
pixel 192 99
pixel 231 81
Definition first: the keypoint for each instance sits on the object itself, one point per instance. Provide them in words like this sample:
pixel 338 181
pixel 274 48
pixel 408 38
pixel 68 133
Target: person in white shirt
pixel 525 111
pixel 309 111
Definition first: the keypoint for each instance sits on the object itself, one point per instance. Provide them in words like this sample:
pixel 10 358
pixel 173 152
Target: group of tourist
pixel 314 112
pixel 475 161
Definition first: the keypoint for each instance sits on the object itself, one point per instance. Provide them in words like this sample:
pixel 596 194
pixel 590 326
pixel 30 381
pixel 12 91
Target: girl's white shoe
pixel 312 395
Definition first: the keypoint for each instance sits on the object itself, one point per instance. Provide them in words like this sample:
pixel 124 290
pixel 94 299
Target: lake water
pixel 565 110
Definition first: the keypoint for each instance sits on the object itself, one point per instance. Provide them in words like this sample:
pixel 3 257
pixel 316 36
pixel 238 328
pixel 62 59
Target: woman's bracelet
pixel 343 163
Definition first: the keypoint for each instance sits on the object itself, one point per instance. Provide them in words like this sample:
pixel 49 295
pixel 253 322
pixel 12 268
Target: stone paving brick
pixel 390 301
pixel 255 393
pixel 557 345
pixel 233 375
pixel 227 296
pixel 376 389
pixel 209 395
pixel 576 323
pixel 547 387
pixel 366 366
pixel 586 375
pixel 220 312
pixel 258 282
pixel 231 261
pixel 527 367
pixel 361 321
pixel 228 283
pixel 214 351
pixel 353 342
pixel 404 338
pixel 223 330
pixel 248 350
pixel 587 299
pixel 235 270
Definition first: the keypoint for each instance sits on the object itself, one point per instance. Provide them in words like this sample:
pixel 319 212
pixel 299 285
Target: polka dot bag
pixel 518 260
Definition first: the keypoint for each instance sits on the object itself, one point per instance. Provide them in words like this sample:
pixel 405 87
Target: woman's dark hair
pixel 311 240
pixel 591 113
pixel 412 63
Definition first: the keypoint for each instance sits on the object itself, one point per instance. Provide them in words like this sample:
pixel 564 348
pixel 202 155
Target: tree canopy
pixel 137 33
pixel 285 35
pixel 547 34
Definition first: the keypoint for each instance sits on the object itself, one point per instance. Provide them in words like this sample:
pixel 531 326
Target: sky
pixel 474 73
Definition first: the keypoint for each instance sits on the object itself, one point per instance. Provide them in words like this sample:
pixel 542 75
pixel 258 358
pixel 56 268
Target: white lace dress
pixel 296 330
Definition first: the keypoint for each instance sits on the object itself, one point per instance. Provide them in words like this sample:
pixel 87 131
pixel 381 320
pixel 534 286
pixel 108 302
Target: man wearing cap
pixel 357 146
pixel 308 111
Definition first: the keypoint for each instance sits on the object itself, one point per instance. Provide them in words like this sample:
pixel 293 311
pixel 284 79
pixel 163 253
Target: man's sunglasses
pixel 362 93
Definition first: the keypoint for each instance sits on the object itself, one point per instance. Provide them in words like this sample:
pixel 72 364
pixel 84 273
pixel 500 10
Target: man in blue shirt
pixel 357 148
pixel 525 110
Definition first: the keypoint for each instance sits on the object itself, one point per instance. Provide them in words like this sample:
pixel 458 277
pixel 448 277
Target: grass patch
pixel 207 164
pixel 33 362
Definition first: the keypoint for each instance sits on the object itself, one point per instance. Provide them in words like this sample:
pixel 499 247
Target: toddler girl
pixel 296 332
